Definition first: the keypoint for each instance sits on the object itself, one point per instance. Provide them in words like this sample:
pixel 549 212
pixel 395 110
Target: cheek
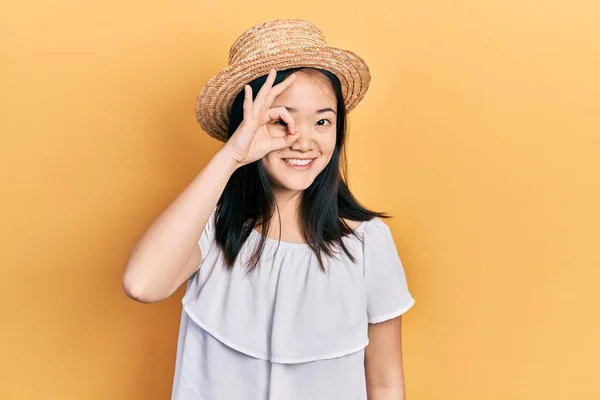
pixel 327 148
pixel 327 143
pixel 270 163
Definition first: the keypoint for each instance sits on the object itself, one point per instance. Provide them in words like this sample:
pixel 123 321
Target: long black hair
pixel 248 199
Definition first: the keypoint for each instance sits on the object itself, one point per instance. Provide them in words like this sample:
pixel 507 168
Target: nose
pixel 305 141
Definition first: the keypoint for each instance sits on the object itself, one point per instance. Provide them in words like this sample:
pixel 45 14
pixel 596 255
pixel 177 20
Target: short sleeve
pixel 207 239
pixel 387 289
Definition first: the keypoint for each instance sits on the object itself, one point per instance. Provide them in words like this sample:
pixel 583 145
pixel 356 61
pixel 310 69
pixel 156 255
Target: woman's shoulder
pixel 354 225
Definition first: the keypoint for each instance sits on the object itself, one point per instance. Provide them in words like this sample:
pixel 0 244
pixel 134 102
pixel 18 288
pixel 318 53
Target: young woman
pixel 294 290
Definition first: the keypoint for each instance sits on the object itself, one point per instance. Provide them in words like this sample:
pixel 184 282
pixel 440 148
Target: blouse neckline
pixel 282 243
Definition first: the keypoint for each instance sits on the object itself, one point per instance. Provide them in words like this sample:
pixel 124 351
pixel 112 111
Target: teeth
pixel 295 161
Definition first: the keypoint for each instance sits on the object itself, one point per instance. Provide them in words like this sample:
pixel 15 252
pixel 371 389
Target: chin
pixel 296 185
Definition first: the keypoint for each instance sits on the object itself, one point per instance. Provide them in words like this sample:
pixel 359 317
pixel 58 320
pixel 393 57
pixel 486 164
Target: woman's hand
pixel 252 140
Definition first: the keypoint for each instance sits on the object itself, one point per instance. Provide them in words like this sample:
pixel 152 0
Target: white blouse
pixel 287 330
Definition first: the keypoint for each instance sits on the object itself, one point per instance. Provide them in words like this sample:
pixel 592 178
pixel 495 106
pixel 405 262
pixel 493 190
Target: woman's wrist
pixel 227 158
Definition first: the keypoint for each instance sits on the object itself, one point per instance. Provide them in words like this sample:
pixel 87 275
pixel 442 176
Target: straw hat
pixel 279 44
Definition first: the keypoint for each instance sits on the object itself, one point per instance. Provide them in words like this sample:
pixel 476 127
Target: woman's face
pixel 313 105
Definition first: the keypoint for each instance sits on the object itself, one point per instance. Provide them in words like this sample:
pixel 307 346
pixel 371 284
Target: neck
pixel 288 207
pixel 288 201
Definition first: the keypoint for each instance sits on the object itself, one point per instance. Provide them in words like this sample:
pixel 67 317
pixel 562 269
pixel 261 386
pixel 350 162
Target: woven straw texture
pixel 279 44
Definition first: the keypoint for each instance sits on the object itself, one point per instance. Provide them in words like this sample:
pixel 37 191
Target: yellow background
pixel 480 134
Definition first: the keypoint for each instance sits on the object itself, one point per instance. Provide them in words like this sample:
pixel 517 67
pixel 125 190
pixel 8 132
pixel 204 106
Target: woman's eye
pixel 281 122
pixel 323 122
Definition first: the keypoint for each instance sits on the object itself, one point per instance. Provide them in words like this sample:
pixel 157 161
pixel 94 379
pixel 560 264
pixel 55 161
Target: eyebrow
pixel 321 111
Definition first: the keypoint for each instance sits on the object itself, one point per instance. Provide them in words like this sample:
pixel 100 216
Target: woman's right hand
pixel 252 140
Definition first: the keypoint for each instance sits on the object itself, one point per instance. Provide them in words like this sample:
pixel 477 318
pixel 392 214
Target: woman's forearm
pixel 386 393
pixel 156 265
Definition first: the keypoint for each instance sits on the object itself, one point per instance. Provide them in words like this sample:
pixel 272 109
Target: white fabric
pixel 287 330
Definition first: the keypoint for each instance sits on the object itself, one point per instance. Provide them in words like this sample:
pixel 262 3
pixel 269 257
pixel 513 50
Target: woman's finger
pixel 266 87
pixel 247 107
pixel 278 89
pixel 282 114
pixel 278 143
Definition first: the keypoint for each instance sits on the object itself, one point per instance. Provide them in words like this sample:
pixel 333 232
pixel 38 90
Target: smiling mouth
pixel 298 162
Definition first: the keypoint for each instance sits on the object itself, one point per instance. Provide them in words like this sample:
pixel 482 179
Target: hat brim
pixel 214 101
